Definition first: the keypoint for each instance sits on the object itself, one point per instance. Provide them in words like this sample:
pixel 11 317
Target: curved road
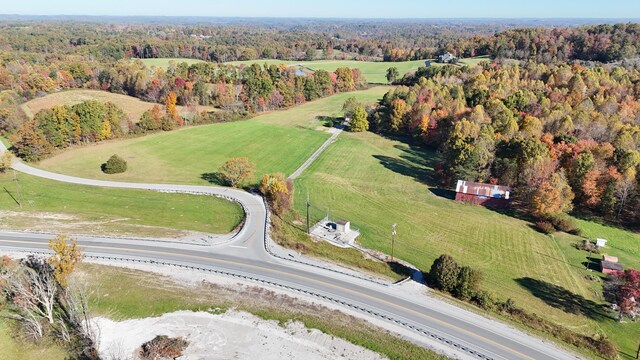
pixel 467 334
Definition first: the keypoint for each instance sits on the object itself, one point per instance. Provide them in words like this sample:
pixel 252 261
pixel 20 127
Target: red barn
pixel 609 265
pixel 495 196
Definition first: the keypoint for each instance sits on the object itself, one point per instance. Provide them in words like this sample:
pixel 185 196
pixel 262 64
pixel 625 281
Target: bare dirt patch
pixel 232 335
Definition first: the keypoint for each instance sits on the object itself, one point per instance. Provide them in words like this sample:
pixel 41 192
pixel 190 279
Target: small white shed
pixel 343 226
pixel 601 242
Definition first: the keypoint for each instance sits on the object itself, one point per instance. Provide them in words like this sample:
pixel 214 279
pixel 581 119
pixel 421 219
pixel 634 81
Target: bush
pixel 545 227
pixel 5 161
pixel 484 300
pixel 163 347
pixel 444 273
pixel 587 245
pixel 115 165
pixel 565 224
pixel 468 283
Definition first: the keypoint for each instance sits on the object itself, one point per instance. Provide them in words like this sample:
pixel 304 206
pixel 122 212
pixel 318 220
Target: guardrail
pixel 331 299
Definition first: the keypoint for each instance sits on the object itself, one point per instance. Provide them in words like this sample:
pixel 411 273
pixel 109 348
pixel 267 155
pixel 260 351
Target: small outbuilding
pixel 495 196
pixel 343 226
pixel 601 242
pixel 609 268
pixel 610 265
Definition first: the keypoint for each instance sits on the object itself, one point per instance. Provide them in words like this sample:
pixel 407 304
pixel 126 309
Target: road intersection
pixel 250 254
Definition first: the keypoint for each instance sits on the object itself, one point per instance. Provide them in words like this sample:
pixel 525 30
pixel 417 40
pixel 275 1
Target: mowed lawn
pixel 374 71
pixel 133 107
pixel 276 142
pixel 375 182
pixel 55 207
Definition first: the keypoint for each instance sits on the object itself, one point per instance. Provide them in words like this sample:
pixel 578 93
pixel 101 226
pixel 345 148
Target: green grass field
pixel 164 62
pixel 375 182
pixel 59 207
pixel 133 107
pixel 276 142
pixel 374 72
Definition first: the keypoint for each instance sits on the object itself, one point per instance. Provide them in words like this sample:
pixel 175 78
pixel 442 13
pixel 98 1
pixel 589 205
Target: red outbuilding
pixel 495 196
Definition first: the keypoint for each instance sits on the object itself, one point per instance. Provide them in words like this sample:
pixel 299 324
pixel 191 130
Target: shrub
pixel 115 165
pixel 587 245
pixel 163 347
pixel 485 300
pixel 545 227
pixel 508 306
pixel 444 273
pixel 5 161
pixel 565 224
pixel 468 283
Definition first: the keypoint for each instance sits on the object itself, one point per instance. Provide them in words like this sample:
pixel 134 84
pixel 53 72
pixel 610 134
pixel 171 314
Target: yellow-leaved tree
pixel 66 255
pixel 277 190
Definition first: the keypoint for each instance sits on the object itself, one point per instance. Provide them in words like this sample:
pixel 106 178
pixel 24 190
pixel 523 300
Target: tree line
pixel 372 40
pixel 564 137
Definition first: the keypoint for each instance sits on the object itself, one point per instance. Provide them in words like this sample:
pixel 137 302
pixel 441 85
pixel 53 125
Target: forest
pixel 554 114
pixel 36 41
pixel 564 137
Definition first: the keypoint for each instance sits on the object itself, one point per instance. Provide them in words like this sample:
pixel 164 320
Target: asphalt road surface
pixel 245 255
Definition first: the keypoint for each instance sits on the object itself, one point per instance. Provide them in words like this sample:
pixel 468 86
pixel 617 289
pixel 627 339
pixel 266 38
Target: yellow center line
pixel 301 277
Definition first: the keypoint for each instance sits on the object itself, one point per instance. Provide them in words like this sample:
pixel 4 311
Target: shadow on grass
pixel 443 193
pixel 563 299
pixel 592 263
pixel 330 121
pixel 11 195
pixel 406 168
pixel 558 260
pixel 214 178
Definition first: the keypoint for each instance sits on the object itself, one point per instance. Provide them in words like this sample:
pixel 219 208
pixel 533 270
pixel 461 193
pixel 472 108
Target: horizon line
pixel 321 18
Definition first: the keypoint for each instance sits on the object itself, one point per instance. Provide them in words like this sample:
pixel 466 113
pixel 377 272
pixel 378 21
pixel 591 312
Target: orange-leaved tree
pixel 236 171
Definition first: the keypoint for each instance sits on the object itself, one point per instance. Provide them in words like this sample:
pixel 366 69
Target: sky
pixel 333 8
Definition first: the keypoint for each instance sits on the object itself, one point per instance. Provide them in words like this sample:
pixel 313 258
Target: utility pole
pixel 638 352
pixel 15 179
pixel 308 205
pixel 393 240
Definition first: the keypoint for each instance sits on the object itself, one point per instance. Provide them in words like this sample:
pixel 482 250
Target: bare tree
pixel 624 190
pixel 33 290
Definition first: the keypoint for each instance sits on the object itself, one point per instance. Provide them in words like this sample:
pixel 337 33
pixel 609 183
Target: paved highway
pixel 467 334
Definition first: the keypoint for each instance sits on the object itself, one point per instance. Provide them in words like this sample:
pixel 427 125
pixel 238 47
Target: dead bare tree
pixel 624 190
pixel 32 288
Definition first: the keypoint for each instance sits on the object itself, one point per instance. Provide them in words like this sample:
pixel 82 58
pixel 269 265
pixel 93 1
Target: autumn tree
pixel 627 293
pixel 66 255
pixel 359 121
pixel 397 115
pixel 349 106
pixel 6 159
pixel 552 197
pixel 170 105
pixel 236 171
pixel 277 190
pixel 392 74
